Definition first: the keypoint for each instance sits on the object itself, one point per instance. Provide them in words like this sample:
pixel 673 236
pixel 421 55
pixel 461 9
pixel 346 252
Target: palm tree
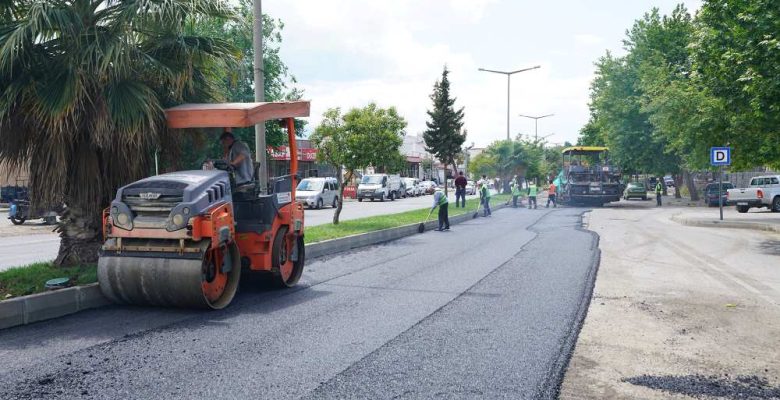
pixel 83 85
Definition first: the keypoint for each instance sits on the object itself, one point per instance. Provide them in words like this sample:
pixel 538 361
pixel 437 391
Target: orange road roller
pixel 183 239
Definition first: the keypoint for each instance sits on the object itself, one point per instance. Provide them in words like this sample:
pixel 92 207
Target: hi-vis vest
pixel 485 191
pixel 659 188
pixel 443 200
pixel 515 190
pixel 532 190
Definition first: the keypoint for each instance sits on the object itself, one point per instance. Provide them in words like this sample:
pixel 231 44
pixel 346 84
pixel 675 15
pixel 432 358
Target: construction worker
pixel 515 191
pixel 238 157
pixel 440 200
pixel 484 197
pixel 551 195
pixel 659 190
pixel 532 192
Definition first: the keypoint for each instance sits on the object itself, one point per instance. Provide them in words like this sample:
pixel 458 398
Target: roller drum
pixel 168 282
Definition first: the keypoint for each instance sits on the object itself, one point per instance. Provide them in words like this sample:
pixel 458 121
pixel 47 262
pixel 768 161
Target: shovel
pixel 421 227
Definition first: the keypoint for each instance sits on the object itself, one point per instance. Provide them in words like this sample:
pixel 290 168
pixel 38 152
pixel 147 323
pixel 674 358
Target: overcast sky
pixel 347 53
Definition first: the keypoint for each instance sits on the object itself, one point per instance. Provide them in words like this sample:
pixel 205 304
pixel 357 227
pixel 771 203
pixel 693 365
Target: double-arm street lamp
pixel 508 79
pixel 536 123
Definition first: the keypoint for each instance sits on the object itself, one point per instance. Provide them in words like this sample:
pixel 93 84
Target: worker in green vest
pixel 532 192
pixel 515 191
pixel 659 190
pixel 440 200
pixel 484 198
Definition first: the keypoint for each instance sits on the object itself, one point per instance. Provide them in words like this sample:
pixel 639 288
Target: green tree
pixel 736 55
pixel 444 137
pixel 237 84
pixel 360 138
pixel 85 84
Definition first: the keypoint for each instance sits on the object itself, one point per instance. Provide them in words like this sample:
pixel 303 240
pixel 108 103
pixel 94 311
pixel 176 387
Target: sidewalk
pixel 757 219
pixel 679 312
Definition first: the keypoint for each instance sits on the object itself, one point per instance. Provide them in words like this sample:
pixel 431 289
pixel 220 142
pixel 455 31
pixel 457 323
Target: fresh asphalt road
pixel 490 309
pixel 27 249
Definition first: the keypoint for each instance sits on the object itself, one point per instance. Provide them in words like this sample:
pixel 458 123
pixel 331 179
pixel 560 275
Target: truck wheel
pixel 360 199
pixel 319 204
pixel 743 209
pixel 382 197
pixel 17 220
pixel 392 196
pixel 776 204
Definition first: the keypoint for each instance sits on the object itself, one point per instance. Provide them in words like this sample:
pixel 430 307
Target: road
pixel 490 309
pixel 34 242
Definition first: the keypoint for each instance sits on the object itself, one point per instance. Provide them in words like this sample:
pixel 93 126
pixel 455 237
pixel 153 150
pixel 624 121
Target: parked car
pixel 318 192
pixel 428 186
pixel 471 188
pixel 763 191
pixel 711 196
pixel 413 188
pixel 635 190
pixel 379 187
pixel 669 181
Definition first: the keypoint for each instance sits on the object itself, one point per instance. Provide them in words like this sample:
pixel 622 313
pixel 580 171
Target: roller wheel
pixel 287 272
pixel 208 282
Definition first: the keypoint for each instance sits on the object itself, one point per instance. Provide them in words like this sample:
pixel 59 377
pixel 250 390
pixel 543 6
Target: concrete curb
pixel 42 306
pixel 708 223
pixel 333 246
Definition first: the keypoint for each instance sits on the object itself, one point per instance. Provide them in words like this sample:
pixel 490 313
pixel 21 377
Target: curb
pixel 707 223
pixel 42 306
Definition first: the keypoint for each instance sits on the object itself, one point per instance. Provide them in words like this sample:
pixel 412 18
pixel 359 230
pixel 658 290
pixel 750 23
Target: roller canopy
pixel 232 115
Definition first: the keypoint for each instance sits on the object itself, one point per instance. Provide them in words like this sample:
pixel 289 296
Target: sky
pixel 348 53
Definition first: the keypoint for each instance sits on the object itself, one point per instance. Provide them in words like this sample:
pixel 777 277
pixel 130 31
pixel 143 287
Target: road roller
pixel 183 239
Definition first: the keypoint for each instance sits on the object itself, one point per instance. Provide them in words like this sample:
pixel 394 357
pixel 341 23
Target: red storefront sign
pixel 283 153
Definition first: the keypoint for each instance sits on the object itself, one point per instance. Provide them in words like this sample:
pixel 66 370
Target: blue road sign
pixel 720 156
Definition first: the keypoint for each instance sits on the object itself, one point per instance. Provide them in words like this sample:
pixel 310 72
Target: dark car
pixel 711 193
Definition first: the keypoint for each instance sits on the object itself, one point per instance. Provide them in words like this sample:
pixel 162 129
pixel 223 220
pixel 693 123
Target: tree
pixel 736 56
pixel 444 137
pixel 360 138
pixel 237 84
pixel 85 84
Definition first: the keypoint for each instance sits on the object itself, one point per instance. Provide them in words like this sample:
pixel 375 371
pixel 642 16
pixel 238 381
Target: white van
pixel 379 187
pixel 318 192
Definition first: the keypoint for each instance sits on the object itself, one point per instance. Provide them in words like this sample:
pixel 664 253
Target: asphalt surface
pixel 490 309
pixel 19 248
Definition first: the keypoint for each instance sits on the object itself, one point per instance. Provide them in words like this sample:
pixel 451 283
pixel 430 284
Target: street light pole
pixel 508 81
pixel 259 78
pixel 536 123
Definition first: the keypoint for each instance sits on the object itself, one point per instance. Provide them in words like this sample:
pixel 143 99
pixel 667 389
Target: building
pixel 279 161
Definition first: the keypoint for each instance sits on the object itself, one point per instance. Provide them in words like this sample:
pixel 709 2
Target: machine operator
pixel 237 155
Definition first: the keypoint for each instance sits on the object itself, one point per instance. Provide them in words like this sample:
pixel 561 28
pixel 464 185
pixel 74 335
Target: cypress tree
pixel 444 137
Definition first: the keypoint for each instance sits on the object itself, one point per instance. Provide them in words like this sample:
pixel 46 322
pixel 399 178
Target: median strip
pixel 35 304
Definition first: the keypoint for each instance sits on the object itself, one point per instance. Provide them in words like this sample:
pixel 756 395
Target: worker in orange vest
pixel 551 195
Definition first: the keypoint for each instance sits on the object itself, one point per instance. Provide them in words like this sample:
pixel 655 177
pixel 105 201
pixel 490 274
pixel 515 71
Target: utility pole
pixel 536 123
pixel 260 148
pixel 508 81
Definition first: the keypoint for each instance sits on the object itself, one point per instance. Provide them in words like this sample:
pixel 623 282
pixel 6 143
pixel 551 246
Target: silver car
pixel 318 192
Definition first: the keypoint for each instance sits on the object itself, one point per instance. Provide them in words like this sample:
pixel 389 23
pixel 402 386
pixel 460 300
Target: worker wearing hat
pixel 237 155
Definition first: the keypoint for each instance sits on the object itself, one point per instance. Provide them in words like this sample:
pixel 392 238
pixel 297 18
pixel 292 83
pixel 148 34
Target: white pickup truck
pixel 764 191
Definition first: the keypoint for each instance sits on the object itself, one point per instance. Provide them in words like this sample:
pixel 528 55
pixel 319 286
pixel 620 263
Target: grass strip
pixel 30 279
pixel 362 225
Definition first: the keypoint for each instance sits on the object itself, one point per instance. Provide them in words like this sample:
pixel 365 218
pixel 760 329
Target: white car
pixel 471 188
pixel 413 188
pixel 318 192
